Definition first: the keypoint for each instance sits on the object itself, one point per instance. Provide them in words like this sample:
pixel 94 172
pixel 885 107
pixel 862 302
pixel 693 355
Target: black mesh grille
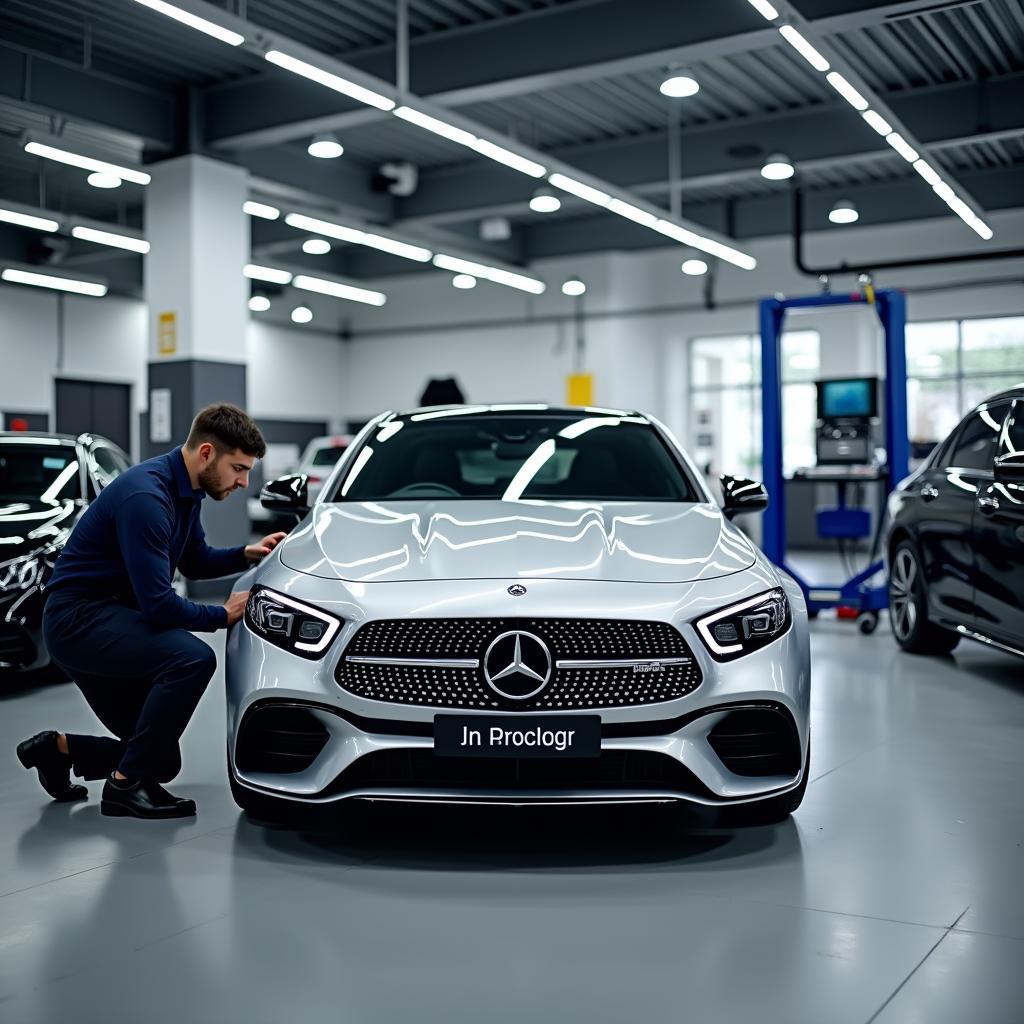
pixel 614 769
pixel 757 742
pixel 279 739
pixel 568 639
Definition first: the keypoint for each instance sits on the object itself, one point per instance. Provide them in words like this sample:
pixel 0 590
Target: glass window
pixel 1011 440
pixel 328 456
pixel 47 472
pixel 933 408
pixel 932 349
pixel 721 362
pixel 503 457
pixel 975 445
pixel 107 465
pixel 994 346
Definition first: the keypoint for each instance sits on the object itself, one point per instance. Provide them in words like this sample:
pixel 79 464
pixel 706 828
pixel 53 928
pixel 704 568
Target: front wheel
pixel 908 606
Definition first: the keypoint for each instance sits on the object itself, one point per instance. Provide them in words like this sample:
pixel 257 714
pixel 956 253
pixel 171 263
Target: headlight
pixel 290 624
pixel 746 626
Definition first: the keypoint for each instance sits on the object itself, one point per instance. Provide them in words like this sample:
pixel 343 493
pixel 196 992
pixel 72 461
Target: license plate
pixel 517 735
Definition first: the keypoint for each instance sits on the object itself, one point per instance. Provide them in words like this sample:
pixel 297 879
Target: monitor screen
pixel 853 398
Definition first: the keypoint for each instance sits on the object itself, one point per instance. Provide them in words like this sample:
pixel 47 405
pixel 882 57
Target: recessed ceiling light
pixel 679 86
pixel 574 286
pixel 777 168
pixel 545 201
pixel 325 146
pixel 316 246
pixel 103 179
pixel 694 268
pixel 463 281
pixel 302 314
pixel 259 303
pixel 844 212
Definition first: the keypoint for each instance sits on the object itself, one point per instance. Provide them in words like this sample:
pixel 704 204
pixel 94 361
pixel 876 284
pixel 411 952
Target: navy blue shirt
pixel 126 546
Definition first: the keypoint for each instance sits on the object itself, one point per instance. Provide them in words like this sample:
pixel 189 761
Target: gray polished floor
pixel 894 895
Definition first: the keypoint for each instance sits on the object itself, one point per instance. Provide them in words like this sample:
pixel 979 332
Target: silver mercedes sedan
pixel 519 604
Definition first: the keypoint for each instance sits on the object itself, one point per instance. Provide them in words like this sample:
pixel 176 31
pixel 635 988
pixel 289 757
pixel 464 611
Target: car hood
pixel 437 540
pixel 28 525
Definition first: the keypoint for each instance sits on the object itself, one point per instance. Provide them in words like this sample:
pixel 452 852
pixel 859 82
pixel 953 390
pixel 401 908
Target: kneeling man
pixel 114 623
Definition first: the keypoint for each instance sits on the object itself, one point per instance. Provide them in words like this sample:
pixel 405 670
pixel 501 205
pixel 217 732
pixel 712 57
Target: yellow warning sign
pixel 580 389
pixel 167 334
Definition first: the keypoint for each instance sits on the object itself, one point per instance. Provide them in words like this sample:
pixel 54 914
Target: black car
pixel 46 483
pixel 955 545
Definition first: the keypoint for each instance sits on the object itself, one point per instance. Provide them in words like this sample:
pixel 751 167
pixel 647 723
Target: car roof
pixel 472 409
pixel 14 436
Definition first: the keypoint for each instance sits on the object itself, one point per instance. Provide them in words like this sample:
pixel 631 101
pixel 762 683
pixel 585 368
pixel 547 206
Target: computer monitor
pixel 852 398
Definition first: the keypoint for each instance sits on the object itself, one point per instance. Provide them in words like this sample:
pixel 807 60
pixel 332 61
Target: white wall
pixel 504 345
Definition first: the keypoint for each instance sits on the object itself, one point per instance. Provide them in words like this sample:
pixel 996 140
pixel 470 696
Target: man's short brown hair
pixel 227 428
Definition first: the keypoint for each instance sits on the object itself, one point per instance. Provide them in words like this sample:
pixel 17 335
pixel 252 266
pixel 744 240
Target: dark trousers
pixel 143 684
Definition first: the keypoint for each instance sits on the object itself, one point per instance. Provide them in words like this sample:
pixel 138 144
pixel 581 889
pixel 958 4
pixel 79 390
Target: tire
pixel 774 809
pixel 908 606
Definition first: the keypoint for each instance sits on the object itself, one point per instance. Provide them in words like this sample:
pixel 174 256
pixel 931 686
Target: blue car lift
pixel 891 307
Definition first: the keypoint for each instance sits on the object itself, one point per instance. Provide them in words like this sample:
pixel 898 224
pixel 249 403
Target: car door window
pixel 108 466
pixel 975 445
pixel 1011 437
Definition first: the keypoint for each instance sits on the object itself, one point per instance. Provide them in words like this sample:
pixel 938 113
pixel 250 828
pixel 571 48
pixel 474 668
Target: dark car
pixel 46 483
pixel 955 546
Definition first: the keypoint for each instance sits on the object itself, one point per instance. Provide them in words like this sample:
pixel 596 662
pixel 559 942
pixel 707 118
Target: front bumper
pixel 664 752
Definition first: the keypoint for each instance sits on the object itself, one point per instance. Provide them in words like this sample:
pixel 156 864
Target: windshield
pixel 327 456
pixel 556 456
pixel 39 471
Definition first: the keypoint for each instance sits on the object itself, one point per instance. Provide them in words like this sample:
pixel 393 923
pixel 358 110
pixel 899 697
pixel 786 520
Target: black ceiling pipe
pixel 882 264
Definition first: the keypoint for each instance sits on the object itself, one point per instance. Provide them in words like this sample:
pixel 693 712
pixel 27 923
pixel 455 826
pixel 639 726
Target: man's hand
pixel 262 548
pixel 235 606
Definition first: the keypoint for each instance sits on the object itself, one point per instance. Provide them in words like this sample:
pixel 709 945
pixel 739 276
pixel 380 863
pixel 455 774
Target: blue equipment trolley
pixel 891 307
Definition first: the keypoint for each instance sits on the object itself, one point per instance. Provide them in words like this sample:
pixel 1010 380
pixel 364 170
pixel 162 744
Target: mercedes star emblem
pixel 517 590
pixel 517 665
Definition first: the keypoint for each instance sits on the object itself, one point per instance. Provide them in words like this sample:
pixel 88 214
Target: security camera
pixel 400 178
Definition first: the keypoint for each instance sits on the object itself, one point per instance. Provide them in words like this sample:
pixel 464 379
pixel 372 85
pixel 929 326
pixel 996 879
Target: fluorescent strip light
pixel 666 227
pixel 634 213
pixel 877 122
pixel 927 172
pixel 110 238
pixel 271 274
pixel 460 266
pixel 508 158
pixel 325 227
pixel 325 78
pixel 61 284
pixel 494 274
pixel 433 124
pixel 764 8
pixel 578 189
pixel 902 147
pixel 225 35
pixel 87 163
pixel 804 48
pixel 255 209
pixel 27 220
pixel 523 283
pixel 943 191
pixel 339 291
pixel 979 226
pixel 405 249
pixel 727 253
pixel 847 91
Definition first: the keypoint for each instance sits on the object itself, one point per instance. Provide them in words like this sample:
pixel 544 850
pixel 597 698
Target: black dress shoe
pixel 53 767
pixel 143 799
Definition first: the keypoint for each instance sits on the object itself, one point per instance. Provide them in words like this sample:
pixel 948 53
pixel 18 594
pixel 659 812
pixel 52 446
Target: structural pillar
pixel 197 299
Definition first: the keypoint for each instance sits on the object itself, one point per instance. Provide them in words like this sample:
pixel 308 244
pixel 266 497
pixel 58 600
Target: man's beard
pixel 210 483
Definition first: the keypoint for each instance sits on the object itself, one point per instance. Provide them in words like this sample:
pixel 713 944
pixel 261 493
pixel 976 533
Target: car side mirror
pixel 1009 469
pixel 742 495
pixel 287 494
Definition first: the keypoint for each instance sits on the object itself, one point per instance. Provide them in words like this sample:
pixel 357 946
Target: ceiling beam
pixel 825 135
pixel 513 57
pixel 61 88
